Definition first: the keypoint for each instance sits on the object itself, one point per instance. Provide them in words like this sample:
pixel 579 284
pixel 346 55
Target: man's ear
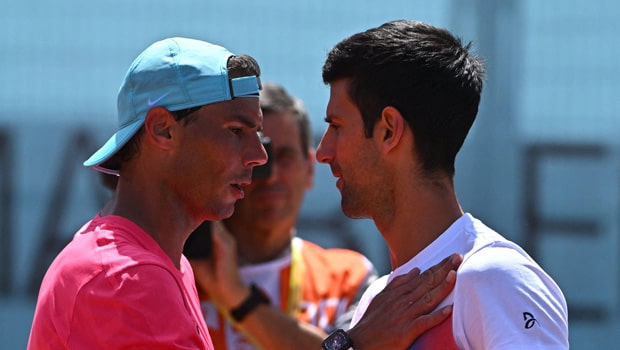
pixel 391 128
pixel 157 124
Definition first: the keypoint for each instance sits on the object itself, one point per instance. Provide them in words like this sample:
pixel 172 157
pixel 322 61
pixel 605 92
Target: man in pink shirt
pixel 187 140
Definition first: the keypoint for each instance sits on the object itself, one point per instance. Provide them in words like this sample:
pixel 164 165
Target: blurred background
pixel 541 164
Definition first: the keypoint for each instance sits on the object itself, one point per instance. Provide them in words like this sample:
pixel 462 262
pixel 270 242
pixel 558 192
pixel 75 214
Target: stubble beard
pixel 353 204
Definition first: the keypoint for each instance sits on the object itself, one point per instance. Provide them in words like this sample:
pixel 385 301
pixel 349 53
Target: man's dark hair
pixel 421 70
pixel 238 66
pixel 274 99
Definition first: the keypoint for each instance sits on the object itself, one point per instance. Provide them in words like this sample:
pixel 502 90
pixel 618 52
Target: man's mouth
pixel 238 189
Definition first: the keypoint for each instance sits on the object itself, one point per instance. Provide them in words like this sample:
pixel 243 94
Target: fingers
pixel 442 269
pixel 429 289
pixel 426 298
pixel 414 285
pixel 221 236
pixel 405 279
pixel 218 277
pixel 224 247
pixel 434 284
pixel 422 293
pixel 405 308
pixel 426 322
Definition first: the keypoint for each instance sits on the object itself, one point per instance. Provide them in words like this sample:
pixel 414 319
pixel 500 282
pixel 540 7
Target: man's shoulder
pixel 101 250
pixel 506 269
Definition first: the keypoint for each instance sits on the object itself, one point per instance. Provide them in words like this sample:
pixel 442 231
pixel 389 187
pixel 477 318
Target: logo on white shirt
pixel 529 319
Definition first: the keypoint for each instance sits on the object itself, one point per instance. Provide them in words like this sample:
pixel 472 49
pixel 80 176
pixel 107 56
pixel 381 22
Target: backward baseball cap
pixel 175 73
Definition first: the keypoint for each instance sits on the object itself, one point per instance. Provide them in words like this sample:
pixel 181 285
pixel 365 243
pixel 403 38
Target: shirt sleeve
pixel 504 300
pixel 141 307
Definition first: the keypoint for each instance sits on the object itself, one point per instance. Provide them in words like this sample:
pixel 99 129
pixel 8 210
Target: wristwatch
pixel 339 340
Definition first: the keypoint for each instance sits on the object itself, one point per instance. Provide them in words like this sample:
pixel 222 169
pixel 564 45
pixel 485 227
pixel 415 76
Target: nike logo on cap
pixel 152 103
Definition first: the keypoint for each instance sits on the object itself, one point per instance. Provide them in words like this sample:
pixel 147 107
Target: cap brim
pixel 114 144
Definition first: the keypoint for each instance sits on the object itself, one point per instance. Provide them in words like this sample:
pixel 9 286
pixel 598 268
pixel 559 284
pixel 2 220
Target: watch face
pixel 338 340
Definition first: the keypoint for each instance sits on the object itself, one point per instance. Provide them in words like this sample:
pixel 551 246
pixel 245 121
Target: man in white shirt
pixel 403 97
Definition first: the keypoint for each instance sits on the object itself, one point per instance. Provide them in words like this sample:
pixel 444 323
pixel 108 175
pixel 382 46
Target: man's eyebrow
pixel 328 118
pixel 248 122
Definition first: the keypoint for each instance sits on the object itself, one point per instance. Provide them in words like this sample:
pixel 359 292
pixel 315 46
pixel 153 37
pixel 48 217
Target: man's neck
pixel 166 224
pixel 417 220
pixel 410 238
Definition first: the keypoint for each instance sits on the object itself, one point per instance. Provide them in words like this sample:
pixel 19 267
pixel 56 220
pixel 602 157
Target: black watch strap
pixel 338 340
pixel 256 297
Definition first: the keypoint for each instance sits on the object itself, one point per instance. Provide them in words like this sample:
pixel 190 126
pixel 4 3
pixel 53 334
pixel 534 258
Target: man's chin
pixel 224 212
pixel 352 212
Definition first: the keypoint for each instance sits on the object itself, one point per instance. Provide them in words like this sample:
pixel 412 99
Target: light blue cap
pixel 175 73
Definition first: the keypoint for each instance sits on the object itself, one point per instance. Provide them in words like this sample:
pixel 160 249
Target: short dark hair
pixel 238 66
pixel 423 71
pixel 274 99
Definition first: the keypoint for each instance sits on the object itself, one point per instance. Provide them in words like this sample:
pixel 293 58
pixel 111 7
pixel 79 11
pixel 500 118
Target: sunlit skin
pixel 216 154
pixel 353 158
pixel 381 177
pixel 201 168
pixel 263 221
pixel 266 216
